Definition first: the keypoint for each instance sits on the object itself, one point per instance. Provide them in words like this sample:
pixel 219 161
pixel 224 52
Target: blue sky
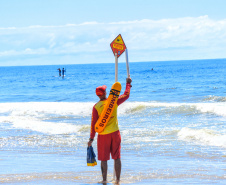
pixel 46 32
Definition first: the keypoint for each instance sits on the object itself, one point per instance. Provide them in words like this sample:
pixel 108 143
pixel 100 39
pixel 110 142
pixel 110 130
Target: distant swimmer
pixel 152 69
pixel 59 71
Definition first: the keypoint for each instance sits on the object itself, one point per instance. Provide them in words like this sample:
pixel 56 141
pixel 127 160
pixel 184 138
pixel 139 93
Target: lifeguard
pixel 109 140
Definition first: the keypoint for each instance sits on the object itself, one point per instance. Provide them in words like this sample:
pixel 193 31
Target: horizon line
pixel 113 62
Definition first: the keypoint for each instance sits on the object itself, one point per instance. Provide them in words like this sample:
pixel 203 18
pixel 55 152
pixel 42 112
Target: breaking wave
pixel 174 108
pixel 51 110
pixel 215 99
pixel 29 115
pixel 203 136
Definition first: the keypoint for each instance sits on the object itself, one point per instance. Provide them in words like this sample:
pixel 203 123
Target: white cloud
pixel 27 51
pixel 166 39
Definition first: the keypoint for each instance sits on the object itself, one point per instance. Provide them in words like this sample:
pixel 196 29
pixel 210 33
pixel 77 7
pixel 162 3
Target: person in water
pixel 109 140
pixel 63 71
pixel 59 71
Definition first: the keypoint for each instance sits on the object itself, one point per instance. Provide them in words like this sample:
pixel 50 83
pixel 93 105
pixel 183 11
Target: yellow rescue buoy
pixel 108 108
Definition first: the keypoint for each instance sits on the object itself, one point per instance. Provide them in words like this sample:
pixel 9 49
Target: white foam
pixel 202 136
pixel 43 109
pixel 46 127
pixel 33 116
pixel 215 108
pixel 39 109
pixel 189 108
pixel 215 99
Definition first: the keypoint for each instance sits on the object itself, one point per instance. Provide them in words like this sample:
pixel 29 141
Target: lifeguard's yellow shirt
pixel 112 125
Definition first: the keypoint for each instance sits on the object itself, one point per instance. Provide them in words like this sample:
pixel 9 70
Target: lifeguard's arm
pixel 126 94
pixel 93 122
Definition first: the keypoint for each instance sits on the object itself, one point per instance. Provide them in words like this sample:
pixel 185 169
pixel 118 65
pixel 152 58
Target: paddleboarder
pixel 59 71
pixel 63 71
pixel 109 140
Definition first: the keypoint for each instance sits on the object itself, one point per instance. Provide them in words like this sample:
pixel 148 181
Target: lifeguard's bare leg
pixel 118 167
pixel 104 169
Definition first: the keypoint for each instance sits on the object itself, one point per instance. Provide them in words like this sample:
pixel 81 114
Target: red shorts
pixel 109 144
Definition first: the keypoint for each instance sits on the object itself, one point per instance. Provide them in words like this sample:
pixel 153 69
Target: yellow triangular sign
pixel 119 40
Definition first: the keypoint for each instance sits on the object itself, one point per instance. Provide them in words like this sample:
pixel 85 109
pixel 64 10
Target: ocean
pixel 172 126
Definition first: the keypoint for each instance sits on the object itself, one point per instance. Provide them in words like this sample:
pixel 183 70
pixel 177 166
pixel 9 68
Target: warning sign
pixel 118 46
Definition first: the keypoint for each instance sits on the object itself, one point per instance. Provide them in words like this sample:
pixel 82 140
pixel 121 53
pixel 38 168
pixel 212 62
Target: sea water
pixel 172 126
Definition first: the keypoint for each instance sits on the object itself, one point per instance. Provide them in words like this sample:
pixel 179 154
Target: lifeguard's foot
pixel 117 182
pixel 103 182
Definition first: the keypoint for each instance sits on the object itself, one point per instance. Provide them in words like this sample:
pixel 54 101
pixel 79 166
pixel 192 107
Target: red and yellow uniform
pixel 109 140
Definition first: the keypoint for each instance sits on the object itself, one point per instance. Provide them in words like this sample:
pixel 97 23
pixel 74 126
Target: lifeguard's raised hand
pixel 128 80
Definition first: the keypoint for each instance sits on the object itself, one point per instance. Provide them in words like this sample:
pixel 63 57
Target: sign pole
pixel 116 67
pixel 116 79
pixel 127 63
